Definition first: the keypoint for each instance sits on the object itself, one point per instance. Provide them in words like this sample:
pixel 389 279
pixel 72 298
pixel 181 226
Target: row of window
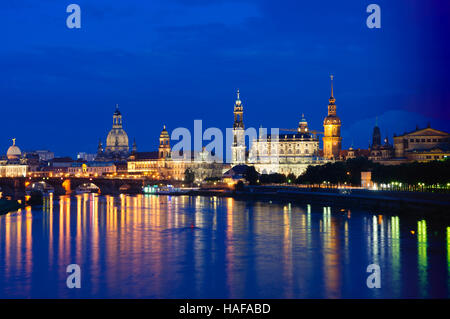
pixel 429 140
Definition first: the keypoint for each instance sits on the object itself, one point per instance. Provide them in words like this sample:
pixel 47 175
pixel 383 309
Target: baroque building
pixel 117 146
pixel 238 148
pixel 422 145
pixel 161 165
pixel 332 139
pixel 285 153
pixel 14 165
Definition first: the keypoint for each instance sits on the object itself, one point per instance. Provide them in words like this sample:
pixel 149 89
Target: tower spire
pixel 331 77
pixel 238 94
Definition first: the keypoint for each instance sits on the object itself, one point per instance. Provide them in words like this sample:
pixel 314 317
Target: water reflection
pixel 198 247
pixel 422 246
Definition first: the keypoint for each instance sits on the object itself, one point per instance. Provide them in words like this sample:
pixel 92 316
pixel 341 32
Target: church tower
pixel 164 144
pixel 238 147
pixel 332 130
pixel 376 136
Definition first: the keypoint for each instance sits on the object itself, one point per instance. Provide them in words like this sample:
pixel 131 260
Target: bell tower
pixel 164 144
pixel 332 139
pixel 238 146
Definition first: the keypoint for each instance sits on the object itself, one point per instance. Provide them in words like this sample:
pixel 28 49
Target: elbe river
pixel 150 246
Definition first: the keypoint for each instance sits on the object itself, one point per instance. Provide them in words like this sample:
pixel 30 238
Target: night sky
pixel 173 61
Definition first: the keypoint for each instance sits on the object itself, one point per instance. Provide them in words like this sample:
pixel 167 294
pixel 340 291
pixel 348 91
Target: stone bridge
pixel 16 186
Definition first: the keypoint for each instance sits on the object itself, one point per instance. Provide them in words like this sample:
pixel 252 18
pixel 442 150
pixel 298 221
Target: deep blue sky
pixel 173 61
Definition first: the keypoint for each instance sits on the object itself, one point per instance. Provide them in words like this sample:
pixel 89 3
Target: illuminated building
pixel 422 145
pixel 161 165
pixel 86 157
pixel 91 168
pixel 285 153
pixel 238 148
pixel 164 144
pixel 117 147
pixel 332 130
pixel 14 165
pixel 13 152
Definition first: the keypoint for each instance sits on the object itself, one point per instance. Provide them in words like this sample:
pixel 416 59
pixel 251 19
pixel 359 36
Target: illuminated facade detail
pixel 238 148
pixel 332 139
pixel 161 165
pixel 422 145
pixel 285 153
pixel 12 170
pixel 91 168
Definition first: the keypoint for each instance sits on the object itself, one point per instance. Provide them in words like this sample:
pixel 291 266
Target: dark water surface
pixel 150 246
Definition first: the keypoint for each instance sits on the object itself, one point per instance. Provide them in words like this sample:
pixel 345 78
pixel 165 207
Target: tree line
pixel 349 173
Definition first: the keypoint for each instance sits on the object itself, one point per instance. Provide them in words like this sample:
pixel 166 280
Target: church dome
pixel 117 140
pixel 13 151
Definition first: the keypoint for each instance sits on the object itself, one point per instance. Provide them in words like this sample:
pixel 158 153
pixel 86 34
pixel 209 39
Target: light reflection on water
pixel 197 247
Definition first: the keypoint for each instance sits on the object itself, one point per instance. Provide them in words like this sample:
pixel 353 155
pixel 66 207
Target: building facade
pixel 161 165
pixel 14 164
pixel 91 168
pixel 285 153
pixel 422 145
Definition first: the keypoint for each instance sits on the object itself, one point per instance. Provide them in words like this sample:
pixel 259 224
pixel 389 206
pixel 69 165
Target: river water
pixel 150 246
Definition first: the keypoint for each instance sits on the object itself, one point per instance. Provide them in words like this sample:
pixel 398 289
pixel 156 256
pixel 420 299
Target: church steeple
pixel 99 147
pixel 332 100
pixel 238 146
pixel 238 112
pixel 134 149
pixel 332 129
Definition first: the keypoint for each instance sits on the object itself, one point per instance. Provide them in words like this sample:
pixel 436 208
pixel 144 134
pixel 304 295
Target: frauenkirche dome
pixel 117 139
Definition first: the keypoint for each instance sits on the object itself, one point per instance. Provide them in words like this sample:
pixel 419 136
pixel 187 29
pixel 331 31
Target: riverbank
pixel 416 203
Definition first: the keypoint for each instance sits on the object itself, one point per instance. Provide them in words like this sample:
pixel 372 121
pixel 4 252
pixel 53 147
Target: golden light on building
pixel 332 130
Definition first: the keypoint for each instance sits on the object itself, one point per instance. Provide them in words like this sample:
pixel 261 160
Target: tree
pixel 291 178
pixel 274 178
pixel 189 176
pixel 239 187
pixel 251 175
